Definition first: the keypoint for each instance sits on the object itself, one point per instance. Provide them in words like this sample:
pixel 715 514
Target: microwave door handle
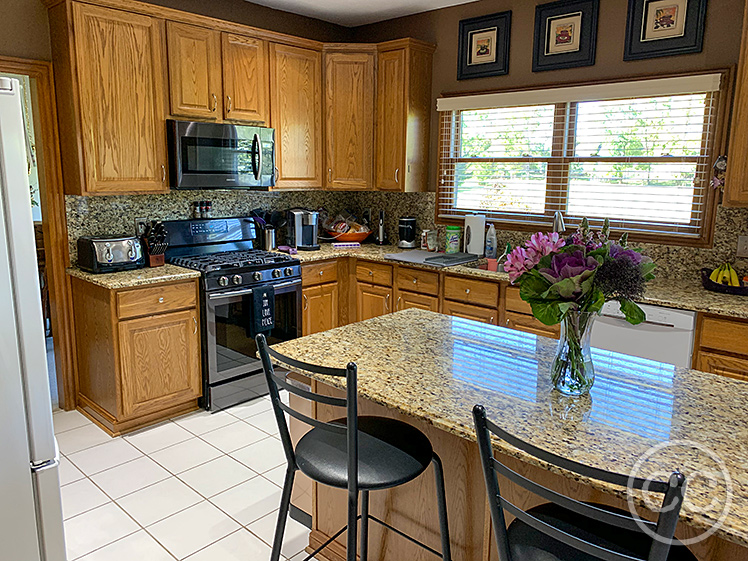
pixel 256 141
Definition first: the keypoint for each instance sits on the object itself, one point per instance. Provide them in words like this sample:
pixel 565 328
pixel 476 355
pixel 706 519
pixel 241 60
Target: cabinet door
pixel 723 365
pixel 194 71
pixel 159 362
pixel 391 125
pixel 373 301
pixel 295 114
pixel 407 300
pixel 529 324
pixel 466 311
pixel 245 78
pixel 320 311
pixel 349 113
pixel 121 89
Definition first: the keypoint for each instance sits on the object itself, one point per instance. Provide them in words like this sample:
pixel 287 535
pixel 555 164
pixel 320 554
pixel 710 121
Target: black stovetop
pixel 232 261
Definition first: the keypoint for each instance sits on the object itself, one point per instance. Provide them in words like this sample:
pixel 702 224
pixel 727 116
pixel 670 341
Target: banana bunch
pixel 725 274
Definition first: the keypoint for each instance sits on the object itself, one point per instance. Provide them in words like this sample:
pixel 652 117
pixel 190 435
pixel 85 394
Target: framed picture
pixel 484 46
pixel 565 34
pixel 664 28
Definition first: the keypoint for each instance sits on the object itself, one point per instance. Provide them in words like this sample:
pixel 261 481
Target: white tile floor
pixel 200 487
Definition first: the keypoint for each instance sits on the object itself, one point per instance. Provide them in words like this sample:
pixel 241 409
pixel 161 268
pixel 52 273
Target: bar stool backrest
pixel 673 491
pixel 279 408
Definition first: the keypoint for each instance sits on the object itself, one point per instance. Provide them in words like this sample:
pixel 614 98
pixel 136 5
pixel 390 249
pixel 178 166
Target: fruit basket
pixel 349 236
pixel 709 284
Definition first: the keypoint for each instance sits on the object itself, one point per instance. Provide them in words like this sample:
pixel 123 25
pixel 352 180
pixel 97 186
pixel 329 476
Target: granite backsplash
pixel 116 214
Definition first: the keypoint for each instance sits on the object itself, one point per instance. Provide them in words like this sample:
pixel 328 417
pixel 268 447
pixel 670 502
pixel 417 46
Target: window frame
pixel 559 164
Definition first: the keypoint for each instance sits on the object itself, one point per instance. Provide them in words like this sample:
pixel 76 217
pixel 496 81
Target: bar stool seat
pixel 390 453
pixel 528 544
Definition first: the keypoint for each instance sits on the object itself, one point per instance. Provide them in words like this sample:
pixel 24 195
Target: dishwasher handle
pixel 622 318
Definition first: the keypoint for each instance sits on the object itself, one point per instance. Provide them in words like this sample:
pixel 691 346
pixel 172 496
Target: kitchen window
pixel 637 152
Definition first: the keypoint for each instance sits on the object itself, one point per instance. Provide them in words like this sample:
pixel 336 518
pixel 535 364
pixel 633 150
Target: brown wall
pixel 25 30
pixel 721 47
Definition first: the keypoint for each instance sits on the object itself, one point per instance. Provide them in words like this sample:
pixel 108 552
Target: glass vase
pixel 573 372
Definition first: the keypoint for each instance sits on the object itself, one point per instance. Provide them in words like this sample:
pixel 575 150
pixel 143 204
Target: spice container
pixel 452 244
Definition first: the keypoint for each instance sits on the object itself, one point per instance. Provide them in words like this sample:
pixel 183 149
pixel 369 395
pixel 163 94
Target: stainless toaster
pixel 109 254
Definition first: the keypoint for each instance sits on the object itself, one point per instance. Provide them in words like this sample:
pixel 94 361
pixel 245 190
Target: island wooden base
pixel 412 507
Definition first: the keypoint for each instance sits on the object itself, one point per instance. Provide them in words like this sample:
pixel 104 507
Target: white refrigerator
pixel 30 507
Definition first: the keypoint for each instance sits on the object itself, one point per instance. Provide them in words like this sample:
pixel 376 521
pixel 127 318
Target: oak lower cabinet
pixel 372 300
pixel 407 300
pixel 296 115
pixel 320 308
pixel 349 119
pixel 518 315
pixel 403 117
pixel 721 346
pixel 110 81
pixel 468 311
pixel 138 352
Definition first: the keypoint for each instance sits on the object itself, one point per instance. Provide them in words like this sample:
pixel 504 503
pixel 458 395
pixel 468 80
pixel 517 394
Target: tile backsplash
pixel 116 214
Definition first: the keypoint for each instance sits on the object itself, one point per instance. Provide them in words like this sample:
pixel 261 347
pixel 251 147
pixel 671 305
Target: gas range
pixel 239 268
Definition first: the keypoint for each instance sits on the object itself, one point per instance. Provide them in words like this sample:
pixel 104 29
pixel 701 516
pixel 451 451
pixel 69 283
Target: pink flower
pixel 544 244
pixel 519 261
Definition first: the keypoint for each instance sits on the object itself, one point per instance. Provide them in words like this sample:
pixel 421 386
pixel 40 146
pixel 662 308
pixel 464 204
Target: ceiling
pixel 357 12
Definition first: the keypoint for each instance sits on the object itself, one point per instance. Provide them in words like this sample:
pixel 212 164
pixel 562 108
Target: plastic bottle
pixel 491 242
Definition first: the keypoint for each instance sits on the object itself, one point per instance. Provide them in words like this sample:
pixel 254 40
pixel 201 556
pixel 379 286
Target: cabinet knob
pixel 371 273
pixel 507 322
pixel 491 320
pixel 467 291
pixel 415 281
pixel 161 300
pixel 321 273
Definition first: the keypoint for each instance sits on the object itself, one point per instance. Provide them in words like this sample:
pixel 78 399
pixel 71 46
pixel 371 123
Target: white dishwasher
pixel 665 336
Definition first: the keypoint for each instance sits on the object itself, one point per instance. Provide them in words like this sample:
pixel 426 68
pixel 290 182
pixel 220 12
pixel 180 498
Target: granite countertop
pixel 136 277
pixel 683 294
pixel 435 368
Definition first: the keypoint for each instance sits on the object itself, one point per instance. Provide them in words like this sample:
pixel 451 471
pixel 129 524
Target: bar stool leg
pixel 280 527
pixel 441 498
pixel 364 526
pixel 352 523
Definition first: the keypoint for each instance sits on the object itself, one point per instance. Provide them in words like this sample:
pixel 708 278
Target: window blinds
pixel 641 161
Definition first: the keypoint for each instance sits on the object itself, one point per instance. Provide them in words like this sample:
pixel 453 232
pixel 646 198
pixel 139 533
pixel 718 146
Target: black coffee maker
pixel 407 232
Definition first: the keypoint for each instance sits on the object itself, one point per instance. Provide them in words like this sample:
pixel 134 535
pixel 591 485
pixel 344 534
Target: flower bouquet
pixel 568 281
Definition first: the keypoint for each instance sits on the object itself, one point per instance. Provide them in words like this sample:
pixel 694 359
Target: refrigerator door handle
pixel 37 467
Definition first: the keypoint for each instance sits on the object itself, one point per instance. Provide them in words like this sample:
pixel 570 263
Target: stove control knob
pixel 236 279
pixel 223 281
pixel 277 273
pixel 257 276
pixel 288 271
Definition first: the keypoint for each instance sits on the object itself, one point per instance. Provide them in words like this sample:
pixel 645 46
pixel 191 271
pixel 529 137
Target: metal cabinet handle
pixel 306 300
pixel 507 321
pixel 491 320
pixel 277 173
pixel 397 304
pixel 467 291
pixel 163 173
pixel 228 99
pixel 397 172
pixel 161 300
pixel 387 302
pixel 215 103
pixel 329 175
pixel 194 320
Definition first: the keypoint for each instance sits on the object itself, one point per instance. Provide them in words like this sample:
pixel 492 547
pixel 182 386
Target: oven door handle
pixel 245 291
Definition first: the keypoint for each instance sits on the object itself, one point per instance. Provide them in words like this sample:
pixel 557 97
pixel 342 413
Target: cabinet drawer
pixel 530 324
pixel 418 280
pixel 466 311
pixel 471 291
pixel 729 366
pixel 319 273
pixel 514 303
pixel 156 299
pixel 375 273
pixel 724 335
pixel 406 300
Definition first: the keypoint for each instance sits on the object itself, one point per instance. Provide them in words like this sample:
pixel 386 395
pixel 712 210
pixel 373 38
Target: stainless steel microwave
pixel 220 156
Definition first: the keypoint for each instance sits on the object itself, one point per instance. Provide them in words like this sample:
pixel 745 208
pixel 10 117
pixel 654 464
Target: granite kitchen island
pixel 430 369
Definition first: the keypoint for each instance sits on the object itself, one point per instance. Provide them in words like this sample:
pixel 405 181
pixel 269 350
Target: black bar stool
pixel 569 530
pixel 355 453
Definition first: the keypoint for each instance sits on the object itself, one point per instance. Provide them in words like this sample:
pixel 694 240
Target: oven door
pixel 220 156
pixel 231 351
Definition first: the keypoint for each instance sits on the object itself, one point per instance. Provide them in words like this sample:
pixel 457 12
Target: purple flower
pixel 618 252
pixel 544 244
pixel 569 266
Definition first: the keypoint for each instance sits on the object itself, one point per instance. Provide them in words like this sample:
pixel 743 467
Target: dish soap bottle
pixel 491 243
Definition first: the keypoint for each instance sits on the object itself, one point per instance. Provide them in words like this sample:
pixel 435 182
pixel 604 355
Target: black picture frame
pixel 691 41
pixel 501 24
pixel 584 15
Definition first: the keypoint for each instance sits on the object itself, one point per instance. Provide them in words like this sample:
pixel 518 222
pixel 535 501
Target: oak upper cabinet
pixel 245 78
pixel 194 55
pixel 110 86
pixel 372 300
pixel 349 123
pixel 296 115
pixel 736 181
pixel 320 308
pixel 403 116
